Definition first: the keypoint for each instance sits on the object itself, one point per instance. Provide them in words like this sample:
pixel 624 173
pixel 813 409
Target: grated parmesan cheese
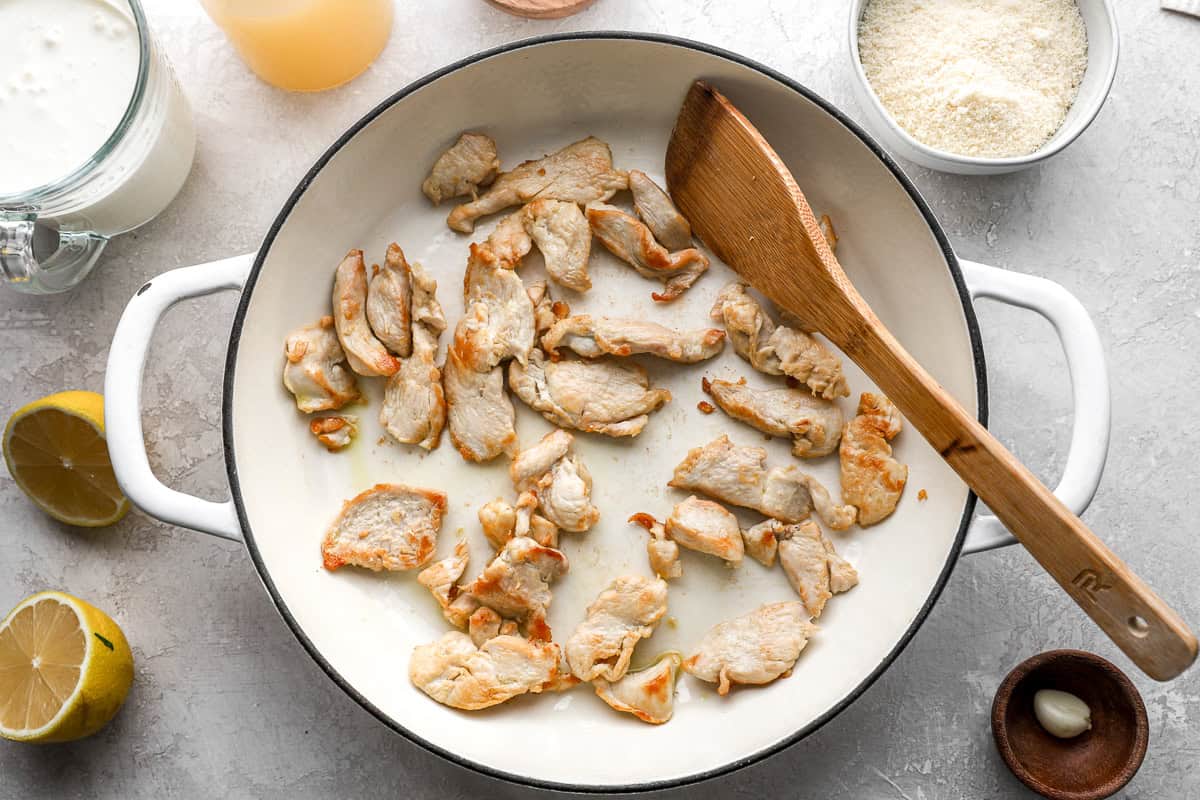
pixel 985 78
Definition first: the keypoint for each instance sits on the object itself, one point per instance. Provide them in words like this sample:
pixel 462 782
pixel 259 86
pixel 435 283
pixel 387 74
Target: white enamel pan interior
pixel 534 97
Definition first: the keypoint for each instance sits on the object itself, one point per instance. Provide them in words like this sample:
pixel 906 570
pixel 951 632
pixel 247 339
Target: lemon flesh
pixel 65 669
pixel 57 454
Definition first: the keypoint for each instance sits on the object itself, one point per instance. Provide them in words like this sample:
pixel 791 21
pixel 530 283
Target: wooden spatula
pixel 744 203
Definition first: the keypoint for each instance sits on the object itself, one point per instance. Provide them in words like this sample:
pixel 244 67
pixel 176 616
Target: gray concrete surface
pixel 227 704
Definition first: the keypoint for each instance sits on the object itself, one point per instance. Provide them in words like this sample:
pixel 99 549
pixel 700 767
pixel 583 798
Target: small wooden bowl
pixel 541 9
pixel 1093 765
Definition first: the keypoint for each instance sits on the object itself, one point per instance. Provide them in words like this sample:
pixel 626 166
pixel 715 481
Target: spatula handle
pixel 1134 617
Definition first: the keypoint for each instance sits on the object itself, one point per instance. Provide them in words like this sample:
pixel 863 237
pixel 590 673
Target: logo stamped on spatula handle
pixel 1091 583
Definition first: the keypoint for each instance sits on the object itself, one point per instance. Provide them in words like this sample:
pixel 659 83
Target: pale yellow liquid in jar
pixel 305 45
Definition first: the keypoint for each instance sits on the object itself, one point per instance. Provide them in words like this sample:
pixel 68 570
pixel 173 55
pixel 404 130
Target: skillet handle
pixel 123 396
pixel 1089 388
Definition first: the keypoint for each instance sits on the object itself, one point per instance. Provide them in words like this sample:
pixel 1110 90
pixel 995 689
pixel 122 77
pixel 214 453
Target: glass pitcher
pixel 52 232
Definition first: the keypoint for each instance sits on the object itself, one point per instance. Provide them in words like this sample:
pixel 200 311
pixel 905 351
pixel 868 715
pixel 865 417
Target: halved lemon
pixel 65 669
pixel 57 454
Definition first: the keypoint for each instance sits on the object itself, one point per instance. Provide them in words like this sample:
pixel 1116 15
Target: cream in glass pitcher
pixel 96 139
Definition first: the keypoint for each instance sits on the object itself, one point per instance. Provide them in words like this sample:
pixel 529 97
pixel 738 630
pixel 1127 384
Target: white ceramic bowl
pixel 1103 44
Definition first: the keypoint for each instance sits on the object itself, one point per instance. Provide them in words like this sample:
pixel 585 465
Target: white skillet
pixel 534 97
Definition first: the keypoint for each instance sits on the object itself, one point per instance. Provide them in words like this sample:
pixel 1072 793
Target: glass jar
pixel 305 45
pixel 128 181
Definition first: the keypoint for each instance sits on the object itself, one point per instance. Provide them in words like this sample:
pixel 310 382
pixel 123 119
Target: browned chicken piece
pixel 565 496
pixel 335 432
pixel 814 425
pixel 778 350
pixel 365 354
pixel 414 403
pixel 631 241
pixel 388 527
pixel 624 613
pixel 546 310
pixel 648 694
pixel 558 482
pixel 599 396
pixel 498 519
pixel 501 522
pixel 534 525
pixel 662 552
pixel 755 648
pixel 499 321
pixel 739 475
pixel 760 541
pixel 486 624
pixel 516 584
pixel 562 234
pixel 813 567
pixel 592 337
pixel 389 301
pixel 479 414
pixel 313 370
pixel 706 527
pixel 872 480
pixel 456 673
pixel 532 463
pixel 579 173
pixel 470 162
pixel 442 576
pixel 661 216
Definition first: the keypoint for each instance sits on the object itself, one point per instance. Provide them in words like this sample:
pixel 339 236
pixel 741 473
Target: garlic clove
pixel 1062 714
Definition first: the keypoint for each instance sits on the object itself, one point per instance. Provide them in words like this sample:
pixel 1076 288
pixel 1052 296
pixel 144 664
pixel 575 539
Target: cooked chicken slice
pixel 752 649
pixel 739 475
pixel 659 213
pixel 365 354
pixel 706 527
pixel 414 403
pixel 499 321
pixel 622 615
pixel 565 495
pixel 533 525
pixel 484 624
pixel 533 462
pixel 459 612
pixel 470 162
pixel 335 432
pixel 388 527
pixel 662 552
pixel 872 480
pixel 600 396
pixel 441 577
pixel 454 672
pixel 498 519
pixel 516 584
pixel 561 233
pixel 836 517
pixel 592 337
pixel 546 310
pixel 631 241
pixel 810 562
pixel 813 424
pixel 760 541
pixel 778 350
pixel 579 173
pixel 478 412
pixel 313 371
pixel 648 694
pixel 389 302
